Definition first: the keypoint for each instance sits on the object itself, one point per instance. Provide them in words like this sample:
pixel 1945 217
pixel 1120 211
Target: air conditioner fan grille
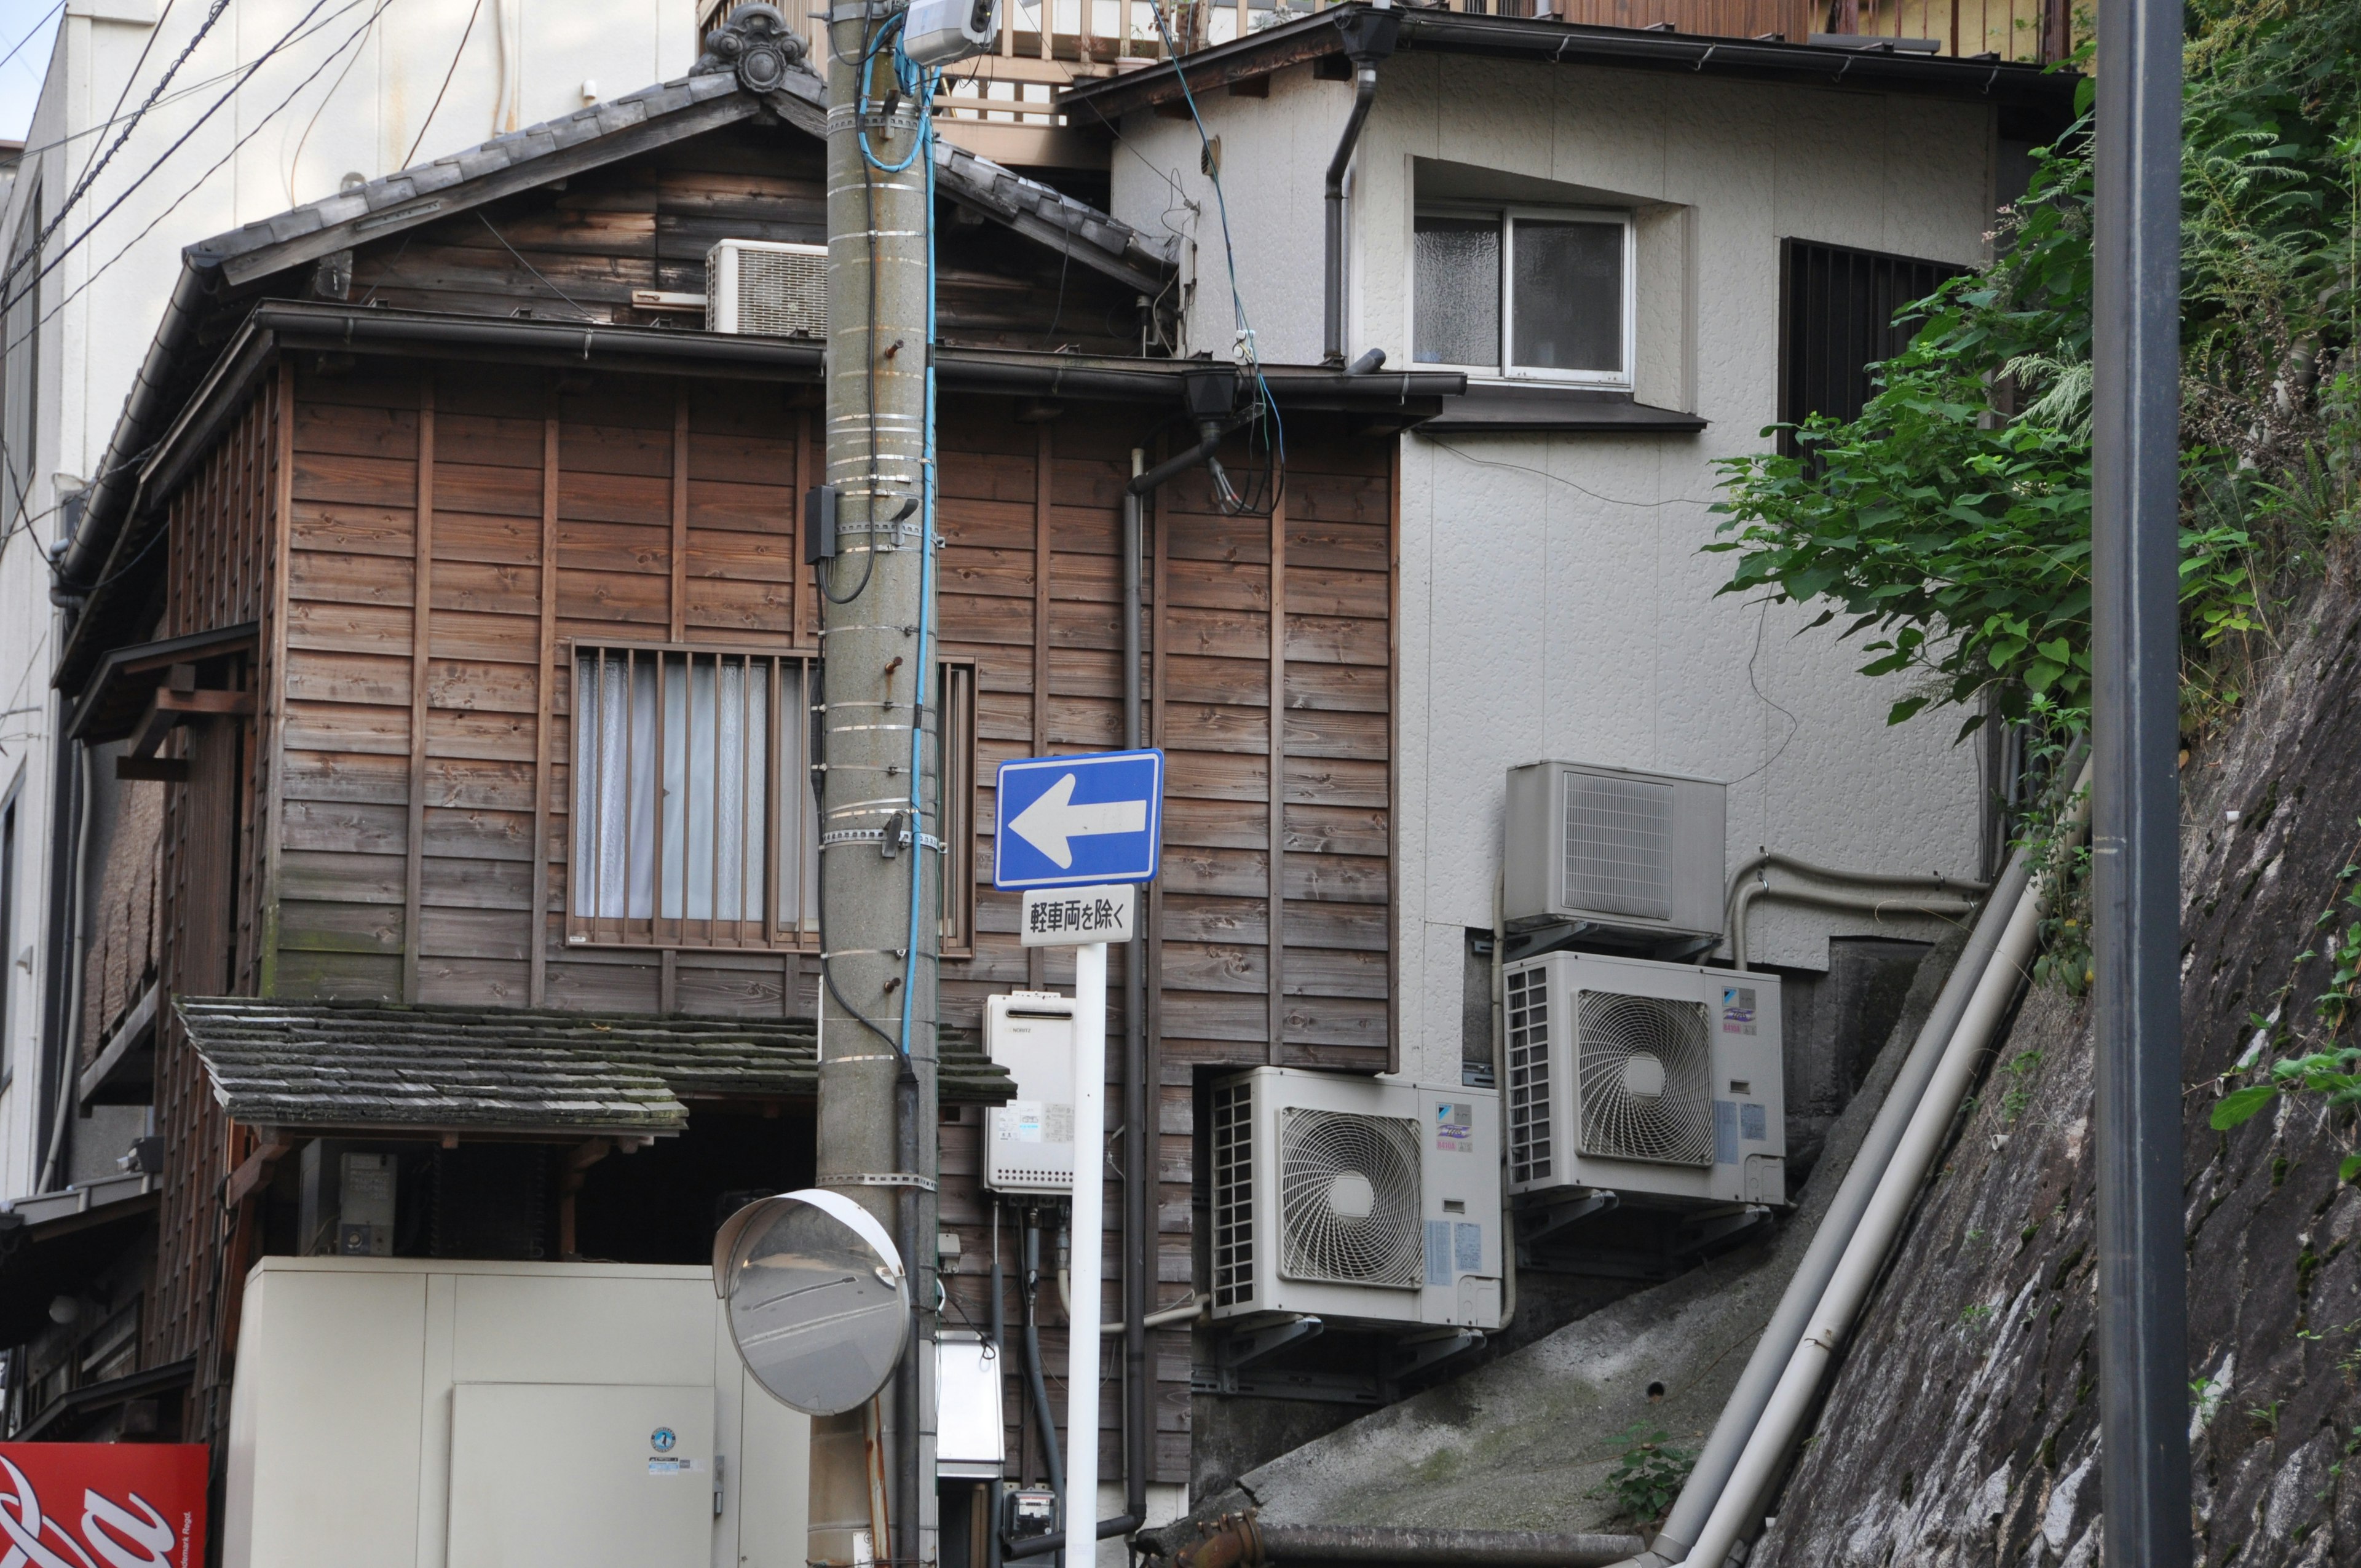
pixel 1349 1198
pixel 1644 1069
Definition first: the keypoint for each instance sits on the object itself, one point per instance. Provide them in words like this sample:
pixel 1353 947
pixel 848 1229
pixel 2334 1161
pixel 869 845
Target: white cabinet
pixel 408 1413
pixel 580 1476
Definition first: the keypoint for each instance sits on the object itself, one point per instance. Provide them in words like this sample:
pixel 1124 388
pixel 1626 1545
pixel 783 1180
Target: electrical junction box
pixel 1029 1144
pixel 1608 846
pixel 1356 1199
pixel 939 32
pixel 970 1440
pixel 346 1207
pixel 1648 1080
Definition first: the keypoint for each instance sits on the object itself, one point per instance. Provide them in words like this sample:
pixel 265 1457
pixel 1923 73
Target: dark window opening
pixel 663 1203
pixel 1835 319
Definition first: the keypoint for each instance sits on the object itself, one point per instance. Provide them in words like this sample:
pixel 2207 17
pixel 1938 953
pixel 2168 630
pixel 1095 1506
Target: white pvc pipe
pixel 1881 1222
pixel 1089 1221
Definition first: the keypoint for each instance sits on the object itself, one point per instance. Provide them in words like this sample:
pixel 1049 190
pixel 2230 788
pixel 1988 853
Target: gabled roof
pixel 514 1071
pixel 712 97
pixel 639 121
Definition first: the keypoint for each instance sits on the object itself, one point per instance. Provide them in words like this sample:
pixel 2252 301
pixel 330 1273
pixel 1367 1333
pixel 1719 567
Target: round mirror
pixel 818 1305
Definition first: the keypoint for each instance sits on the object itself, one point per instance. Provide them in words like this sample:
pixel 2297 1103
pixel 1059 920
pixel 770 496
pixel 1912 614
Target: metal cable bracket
pixel 881 1179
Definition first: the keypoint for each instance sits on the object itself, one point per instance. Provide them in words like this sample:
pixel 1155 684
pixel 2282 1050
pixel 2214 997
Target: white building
pixel 1598 225
pixel 280 103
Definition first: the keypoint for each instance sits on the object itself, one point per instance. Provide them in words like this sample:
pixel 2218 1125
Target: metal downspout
pixel 1369 39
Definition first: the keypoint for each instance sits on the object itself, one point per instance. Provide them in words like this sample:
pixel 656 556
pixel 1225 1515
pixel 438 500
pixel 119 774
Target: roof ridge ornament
pixel 756 44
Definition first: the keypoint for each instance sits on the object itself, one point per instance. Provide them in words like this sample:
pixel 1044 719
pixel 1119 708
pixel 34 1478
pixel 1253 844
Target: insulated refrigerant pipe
pixel 1831 898
pixel 1771 1352
pixel 1839 1305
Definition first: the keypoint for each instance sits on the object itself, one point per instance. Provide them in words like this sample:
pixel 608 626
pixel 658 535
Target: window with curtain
pixel 694 823
pixel 1540 293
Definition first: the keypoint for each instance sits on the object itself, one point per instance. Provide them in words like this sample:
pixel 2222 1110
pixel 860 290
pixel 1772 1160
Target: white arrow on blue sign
pixel 1069 821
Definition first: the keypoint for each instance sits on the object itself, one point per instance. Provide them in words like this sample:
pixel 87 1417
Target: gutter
pixel 1369 37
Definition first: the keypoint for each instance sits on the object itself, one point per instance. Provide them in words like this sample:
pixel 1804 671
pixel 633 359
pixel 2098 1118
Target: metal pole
pixel 877 1093
pixel 1089 1221
pixel 2136 844
pixel 1138 1163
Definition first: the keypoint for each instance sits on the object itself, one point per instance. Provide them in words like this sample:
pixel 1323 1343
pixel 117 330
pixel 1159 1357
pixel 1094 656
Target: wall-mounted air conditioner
pixel 766 289
pixel 1029 1144
pixel 1351 1199
pixel 1609 846
pixel 1646 1079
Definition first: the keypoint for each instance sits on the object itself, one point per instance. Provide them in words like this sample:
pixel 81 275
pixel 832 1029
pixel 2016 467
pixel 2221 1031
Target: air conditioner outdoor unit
pixel 1609 846
pixel 1029 1144
pixel 1645 1080
pixel 765 289
pixel 1356 1200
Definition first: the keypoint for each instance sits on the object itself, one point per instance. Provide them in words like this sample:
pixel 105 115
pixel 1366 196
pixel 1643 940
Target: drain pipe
pixel 1209 398
pixel 1781 1380
pixel 1369 37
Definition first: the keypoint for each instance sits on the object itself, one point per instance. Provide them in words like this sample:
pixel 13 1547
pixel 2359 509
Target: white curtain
pixel 698 850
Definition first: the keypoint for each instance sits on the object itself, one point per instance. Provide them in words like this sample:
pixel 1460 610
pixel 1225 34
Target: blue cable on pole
pixel 925 148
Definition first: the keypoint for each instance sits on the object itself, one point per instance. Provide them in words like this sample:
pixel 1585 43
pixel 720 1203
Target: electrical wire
pixel 926 148
pixel 35 31
pixel 295 162
pixel 410 157
pixel 1264 498
pixel 52 263
pixel 528 267
pixel 89 175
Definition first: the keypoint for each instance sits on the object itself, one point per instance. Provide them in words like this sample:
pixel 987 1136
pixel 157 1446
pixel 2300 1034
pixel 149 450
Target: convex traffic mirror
pixel 816 1301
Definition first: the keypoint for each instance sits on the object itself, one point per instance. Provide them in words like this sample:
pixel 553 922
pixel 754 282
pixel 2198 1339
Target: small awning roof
pixel 515 1072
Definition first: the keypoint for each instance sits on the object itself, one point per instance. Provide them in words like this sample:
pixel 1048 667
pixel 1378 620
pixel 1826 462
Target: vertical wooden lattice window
pixel 693 821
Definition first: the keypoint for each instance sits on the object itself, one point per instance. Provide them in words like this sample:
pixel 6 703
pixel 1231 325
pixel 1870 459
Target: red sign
pixel 102 1505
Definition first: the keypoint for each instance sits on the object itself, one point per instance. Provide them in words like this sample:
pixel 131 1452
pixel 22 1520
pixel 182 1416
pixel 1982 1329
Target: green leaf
pixel 2241 1105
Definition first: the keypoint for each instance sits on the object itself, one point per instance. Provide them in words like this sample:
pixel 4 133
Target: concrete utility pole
pixel 2136 816
pixel 876 1105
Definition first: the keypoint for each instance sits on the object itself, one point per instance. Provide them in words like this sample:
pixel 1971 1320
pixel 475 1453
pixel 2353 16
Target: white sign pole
pixel 1083 1261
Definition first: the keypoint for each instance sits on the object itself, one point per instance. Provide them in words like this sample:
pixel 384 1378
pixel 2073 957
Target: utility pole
pixel 2135 819
pixel 872 1470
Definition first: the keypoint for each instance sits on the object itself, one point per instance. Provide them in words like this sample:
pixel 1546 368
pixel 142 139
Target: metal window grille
pixel 1529 1075
pixel 1233 1237
pixel 693 819
pixel 1837 310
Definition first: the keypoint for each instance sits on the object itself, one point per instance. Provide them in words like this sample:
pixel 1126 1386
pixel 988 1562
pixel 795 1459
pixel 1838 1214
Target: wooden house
pixel 412 469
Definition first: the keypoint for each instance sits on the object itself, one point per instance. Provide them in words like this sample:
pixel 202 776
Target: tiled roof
pixel 326 1064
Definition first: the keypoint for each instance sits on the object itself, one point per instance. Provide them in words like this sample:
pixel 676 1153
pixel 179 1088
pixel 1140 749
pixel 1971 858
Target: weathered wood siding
pixel 650 222
pixel 219 572
pixel 455 529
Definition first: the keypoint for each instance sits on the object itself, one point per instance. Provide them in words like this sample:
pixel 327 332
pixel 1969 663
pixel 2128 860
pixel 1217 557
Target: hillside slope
pixel 1962 1427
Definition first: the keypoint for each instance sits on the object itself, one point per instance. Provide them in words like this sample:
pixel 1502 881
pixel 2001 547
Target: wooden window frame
pixel 954 704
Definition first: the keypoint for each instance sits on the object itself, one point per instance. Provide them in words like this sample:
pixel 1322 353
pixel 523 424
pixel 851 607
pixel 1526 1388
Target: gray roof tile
pixel 516 1070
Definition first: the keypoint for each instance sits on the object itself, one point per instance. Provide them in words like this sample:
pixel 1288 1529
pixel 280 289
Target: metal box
pixel 1644 1078
pixel 1612 847
pixel 1029 1144
pixel 1356 1198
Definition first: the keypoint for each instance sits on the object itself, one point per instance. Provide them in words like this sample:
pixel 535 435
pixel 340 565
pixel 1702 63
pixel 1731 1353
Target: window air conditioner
pixel 766 290
pixel 1608 846
pixel 1029 1144
pixel 1643 1079
pixel 1355 1200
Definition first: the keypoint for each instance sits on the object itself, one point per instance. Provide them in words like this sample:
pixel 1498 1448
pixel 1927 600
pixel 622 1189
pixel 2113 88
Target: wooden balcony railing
pixel 1002 105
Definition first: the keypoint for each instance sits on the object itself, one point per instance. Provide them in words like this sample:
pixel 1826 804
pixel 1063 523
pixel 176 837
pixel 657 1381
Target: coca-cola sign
pixel 102 1505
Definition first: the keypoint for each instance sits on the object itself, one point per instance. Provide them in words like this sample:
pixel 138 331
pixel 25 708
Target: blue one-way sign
pixel 1068 821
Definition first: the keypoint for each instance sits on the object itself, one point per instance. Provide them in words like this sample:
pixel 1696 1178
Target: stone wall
pixel 1962 1427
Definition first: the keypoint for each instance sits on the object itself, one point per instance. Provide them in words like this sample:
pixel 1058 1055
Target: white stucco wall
pixel 350 94
pixel 1554 603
